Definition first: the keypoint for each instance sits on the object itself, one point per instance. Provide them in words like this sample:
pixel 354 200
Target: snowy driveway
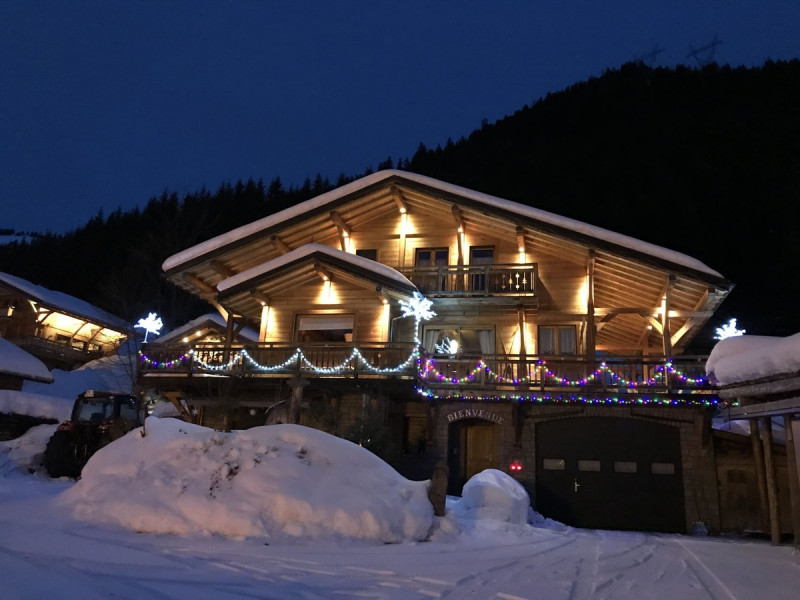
pixel 46 554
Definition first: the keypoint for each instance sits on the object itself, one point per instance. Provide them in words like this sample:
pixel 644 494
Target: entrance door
pixel 470 450
pixel 610 473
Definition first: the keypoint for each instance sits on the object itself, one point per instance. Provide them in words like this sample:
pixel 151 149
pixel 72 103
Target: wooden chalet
pixel 442 324
pixel 60 330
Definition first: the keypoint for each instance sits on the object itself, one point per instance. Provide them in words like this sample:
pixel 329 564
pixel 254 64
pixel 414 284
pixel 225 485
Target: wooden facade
pixel 60 330
pixel 535 318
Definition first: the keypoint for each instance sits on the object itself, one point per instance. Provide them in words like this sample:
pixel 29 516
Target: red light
pixel 515 466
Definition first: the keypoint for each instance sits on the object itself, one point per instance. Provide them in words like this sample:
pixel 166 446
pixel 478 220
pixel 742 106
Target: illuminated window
pixel 555 340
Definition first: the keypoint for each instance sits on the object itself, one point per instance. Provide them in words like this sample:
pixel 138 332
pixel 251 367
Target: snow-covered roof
pixel 16 362
pixel 203 320
pixel 522 210
pixel 65 303
pixel 307 250
pixel 751 357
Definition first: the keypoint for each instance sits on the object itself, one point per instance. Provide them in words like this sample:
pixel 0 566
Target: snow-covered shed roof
pixel 64 303
pixel 319 251
pixel 16 362
pixel 206 321
pixel 752 357
pixel 542 217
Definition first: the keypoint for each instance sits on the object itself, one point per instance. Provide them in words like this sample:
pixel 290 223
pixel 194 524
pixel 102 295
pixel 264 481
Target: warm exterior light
pixel 186 340
pixel 403 210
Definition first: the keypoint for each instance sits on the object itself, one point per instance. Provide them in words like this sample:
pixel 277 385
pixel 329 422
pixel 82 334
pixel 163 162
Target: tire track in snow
pixel 715 587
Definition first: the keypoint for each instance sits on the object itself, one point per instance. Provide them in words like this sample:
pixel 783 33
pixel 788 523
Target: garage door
pixel 610 473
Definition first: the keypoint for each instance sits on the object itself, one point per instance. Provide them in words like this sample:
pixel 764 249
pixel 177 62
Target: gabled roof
pixel 16 362
pixel 451 193
pixel 246 292
pixel 208 321
pixel 345 260
pixel 64 303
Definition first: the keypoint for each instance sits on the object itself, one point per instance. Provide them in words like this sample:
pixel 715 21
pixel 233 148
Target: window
pixel 431 275
pixel 325 328
pixel 554 340
pixel 624 466
pixel 431 257
pixel 553 464
pixel 456 340
pixel 370 253
pixel 588 465
pixel 659 468
pixel 479 256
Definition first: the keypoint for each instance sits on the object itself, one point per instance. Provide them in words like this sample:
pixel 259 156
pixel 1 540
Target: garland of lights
pixel 579 399
pixel 430 371
pixel 418 307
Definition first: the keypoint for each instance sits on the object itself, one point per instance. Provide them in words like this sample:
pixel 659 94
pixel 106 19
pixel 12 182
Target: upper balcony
pixel 474 280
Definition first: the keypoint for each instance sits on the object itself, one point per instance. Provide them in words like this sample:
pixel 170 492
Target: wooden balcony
pixel 506 375
pixel 474 280
pixel 340 360
pixel 560 377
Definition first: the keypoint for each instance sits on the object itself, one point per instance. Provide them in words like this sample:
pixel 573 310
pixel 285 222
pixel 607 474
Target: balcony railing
pixel 474 280
pixel 282 359
pixel 685 374
pixel 500 372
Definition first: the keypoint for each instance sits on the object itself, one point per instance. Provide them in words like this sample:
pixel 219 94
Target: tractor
pixel 98 418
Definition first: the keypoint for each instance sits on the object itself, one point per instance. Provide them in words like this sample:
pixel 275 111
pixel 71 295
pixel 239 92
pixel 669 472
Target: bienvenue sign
pixel 474 413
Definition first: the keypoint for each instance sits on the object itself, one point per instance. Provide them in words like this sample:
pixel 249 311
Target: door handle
pixel 576 484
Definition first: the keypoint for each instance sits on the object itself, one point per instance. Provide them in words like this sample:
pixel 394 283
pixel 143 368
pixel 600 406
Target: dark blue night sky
pixel 104 104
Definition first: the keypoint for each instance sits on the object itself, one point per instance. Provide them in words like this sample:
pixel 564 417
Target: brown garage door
pixel 610 473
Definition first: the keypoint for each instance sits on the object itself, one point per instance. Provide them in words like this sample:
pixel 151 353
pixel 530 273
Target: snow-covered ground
pixel 58 540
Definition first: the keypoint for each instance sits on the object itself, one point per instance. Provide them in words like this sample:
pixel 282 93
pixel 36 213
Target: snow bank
pixel 748 357
pixel 494 495
pixel 277 481
pixel 24 453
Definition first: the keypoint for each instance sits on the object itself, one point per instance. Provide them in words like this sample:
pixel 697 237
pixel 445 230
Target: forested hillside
pixel 706 162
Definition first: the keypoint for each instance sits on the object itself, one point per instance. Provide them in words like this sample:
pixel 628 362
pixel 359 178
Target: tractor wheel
pixel 61 455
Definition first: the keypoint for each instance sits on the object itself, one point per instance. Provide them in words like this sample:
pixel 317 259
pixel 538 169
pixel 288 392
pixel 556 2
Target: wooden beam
pixel 521 239
pixel 342 227
pixel 264 300
pixel 792 426
pixel 221 268
pixel 761 476
pixel 590 325
pixel 459 219
pixel 772 484
pixel 205 288
pixel 399 200
pixel 279 245
pixel 323 273
pixel 665 316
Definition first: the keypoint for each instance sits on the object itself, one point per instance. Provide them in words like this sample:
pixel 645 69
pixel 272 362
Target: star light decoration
pixel 418 307
pixel 152 324
pixel 728 330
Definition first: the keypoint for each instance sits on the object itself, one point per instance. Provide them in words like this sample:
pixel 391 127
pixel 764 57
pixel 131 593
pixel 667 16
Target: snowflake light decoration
pixel 728 330
pixel 418 307
pixel 152 324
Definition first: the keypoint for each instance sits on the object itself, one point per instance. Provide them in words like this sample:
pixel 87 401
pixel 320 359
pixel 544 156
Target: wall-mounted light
pixel 515 466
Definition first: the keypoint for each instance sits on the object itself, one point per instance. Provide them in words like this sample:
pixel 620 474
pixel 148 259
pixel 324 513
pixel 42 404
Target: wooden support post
pixel 792 426
pixel 295 403
pixel 761 476
pixel 666 306
pixel 590 325
pixel 772 484
pixel 401 249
